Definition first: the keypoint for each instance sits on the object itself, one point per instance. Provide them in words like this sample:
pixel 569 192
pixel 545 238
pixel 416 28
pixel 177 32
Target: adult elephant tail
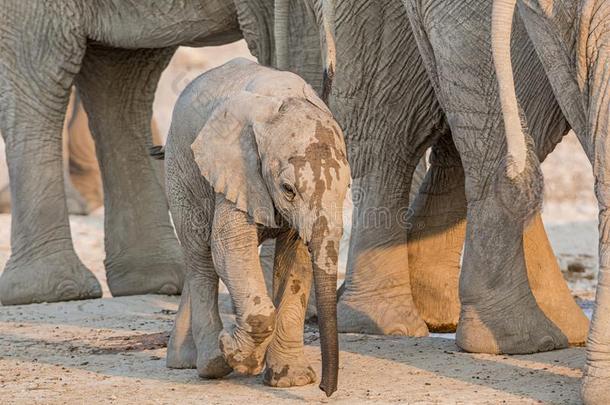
pixel 502 25
pixel 330 51
pixel 280 32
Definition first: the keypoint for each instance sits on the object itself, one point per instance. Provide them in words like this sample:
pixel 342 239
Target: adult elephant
pixel 399 90
pixel 114 52
pixel 572 39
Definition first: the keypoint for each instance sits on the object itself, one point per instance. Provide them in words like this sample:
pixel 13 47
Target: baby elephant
pixel 252 154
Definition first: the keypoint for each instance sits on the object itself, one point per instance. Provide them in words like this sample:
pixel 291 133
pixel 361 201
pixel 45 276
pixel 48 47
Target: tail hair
pixel 157 152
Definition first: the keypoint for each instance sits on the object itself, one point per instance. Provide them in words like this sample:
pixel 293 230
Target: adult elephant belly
pixel 151 24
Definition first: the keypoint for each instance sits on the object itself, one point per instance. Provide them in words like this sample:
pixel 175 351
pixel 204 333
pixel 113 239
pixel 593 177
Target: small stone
pixel 576 267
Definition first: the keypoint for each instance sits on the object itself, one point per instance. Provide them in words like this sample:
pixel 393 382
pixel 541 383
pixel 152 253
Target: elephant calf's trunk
pixel 326 305
pixel 324 246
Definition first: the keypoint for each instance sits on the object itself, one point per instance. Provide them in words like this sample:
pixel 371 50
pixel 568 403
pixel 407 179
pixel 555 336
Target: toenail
pixel 547 343
pixel 168 289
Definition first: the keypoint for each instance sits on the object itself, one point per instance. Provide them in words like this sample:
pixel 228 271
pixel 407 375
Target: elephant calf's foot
pixel 380 314
pixel 285 371
pixel 249 361
pixel 150 271
pixel 181 354
pixel 56 277
pixel 509 328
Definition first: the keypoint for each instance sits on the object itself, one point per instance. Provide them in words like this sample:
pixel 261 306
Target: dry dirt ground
pixel 112 350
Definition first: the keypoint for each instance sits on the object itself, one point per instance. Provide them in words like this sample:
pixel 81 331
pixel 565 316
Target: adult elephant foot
pixel 150 268
pixel 380 316
pixel 436 239
pixel 56 277
pixel 380 306
pixel 549 287
pixel 507 327
pixel 499 313
pixel 594 390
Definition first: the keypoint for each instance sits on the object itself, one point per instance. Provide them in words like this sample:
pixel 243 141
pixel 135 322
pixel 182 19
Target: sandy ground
pixel 113 350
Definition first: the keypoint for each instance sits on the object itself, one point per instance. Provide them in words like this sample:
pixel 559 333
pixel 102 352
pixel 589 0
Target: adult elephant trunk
pixel 323 246
pixel 502 25
pixel 327 40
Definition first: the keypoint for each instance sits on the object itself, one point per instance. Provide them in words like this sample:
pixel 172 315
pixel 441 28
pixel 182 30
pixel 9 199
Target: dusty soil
pixel 113 350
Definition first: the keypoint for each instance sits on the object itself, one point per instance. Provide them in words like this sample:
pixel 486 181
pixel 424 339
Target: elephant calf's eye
pixel 289 191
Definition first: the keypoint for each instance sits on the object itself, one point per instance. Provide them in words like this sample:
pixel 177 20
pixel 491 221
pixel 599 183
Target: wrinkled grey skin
pixel 114 53
pixel 393 103
pixel 255 157
pixel 572 39
pixel 82 177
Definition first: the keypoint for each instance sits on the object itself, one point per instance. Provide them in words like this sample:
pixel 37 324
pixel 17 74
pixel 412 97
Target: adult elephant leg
pixel 390 116
pixel 596 383
pixel 77 205
pixel 5 199
pixel 83 166
pixel 548 285
pixel 376 296
pixel 286 365
pixel 436 238
pixel 117 87
pixel 442 204
pixel 43 265
pixel 499 313
pixel 597 368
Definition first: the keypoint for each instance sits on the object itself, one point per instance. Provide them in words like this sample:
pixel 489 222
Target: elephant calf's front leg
pixel 234 245
pixel 286 362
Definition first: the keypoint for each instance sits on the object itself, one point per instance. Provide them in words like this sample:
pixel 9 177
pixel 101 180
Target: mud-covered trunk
pixel 324 246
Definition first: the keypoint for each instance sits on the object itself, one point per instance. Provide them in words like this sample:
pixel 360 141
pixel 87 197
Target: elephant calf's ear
pixel 227 155
pixel 312 97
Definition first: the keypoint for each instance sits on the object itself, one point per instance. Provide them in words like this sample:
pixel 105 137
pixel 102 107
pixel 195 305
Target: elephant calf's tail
pixel 157 152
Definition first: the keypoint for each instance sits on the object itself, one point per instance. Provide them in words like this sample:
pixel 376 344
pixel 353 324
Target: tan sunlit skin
pixel 253 158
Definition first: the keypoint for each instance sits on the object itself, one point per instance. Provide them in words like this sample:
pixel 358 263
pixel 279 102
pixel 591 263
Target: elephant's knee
pixel 260 326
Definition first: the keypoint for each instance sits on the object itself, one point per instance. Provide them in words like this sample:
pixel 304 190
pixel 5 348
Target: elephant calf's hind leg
pixel 285 361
